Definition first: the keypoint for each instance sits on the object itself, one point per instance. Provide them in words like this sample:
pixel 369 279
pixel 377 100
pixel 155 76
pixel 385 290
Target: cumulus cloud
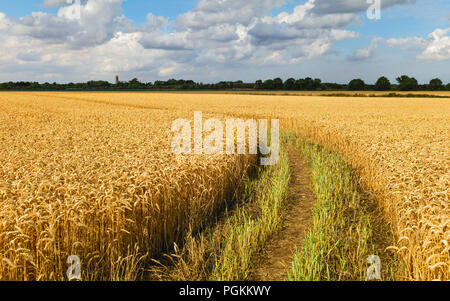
pixel 363 54
pixel 98 22
pixel 213 12
pixel 173 41
pixel 152 24
pixel 56 3
pixel 47 27
pixel 216 34
pixel 438 46
pixel 230 31
pixel 4 22
pixel 352 6
pixel 435 47
pixel 407 43
pixel 301 34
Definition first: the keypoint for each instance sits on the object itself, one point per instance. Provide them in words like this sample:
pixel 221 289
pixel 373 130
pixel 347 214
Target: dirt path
pixel 274 263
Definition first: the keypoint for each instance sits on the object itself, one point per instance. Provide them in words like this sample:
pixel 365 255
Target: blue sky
pixel 136 10
pixel 212 40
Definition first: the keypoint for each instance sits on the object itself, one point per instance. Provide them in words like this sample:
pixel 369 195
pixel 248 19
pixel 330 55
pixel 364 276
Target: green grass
pixel 250 226
pixel 226 251
pixel 346 227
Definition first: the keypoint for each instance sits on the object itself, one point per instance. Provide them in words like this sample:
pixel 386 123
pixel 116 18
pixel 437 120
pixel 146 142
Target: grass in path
pixel 346 228
pixel 226 251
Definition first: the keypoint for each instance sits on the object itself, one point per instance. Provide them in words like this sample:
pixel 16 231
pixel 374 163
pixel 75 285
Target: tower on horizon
pixel 117 79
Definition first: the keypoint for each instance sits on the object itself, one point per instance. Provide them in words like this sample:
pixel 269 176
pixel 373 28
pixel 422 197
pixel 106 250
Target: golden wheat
pixel 92 173
pixel 100 182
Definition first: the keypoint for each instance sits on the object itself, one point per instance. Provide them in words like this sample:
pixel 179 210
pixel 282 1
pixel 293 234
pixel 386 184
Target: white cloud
pixel 216 35
pixel 213 12
pixel 172 41
pixel 229 32
pixel 407 43
pixel 170 70
pixel 301 34
pixel 438 48
pixel 363 53
pixel 4 22
pixel 55 3
pixel 152 24
pixel 435 47
pixel 352 6
pixel 98 23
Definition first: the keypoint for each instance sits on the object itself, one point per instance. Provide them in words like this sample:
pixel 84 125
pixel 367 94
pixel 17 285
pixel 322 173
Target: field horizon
pixel 225 148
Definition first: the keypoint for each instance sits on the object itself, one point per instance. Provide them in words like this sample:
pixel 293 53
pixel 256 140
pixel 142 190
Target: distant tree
pixel 97 85
pixel 300 84
pixel 436 84
pixel 289 84
pixel 268 84
pixel 317 83
pixel 172 82
pixel 134 84
pixel 383 84
pixel 308 84
pixel 407 83
pixel 356 85
pixel 278 84
pixel 158 84
pixel 334 86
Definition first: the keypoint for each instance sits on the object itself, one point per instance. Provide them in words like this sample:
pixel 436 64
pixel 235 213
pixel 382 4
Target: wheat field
pixel 92 174
pixel 100 182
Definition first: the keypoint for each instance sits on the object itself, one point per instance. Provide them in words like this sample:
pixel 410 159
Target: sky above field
pixel 213 40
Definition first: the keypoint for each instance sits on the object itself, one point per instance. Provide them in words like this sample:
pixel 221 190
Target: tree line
pixel 403 83
pixel 134 84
